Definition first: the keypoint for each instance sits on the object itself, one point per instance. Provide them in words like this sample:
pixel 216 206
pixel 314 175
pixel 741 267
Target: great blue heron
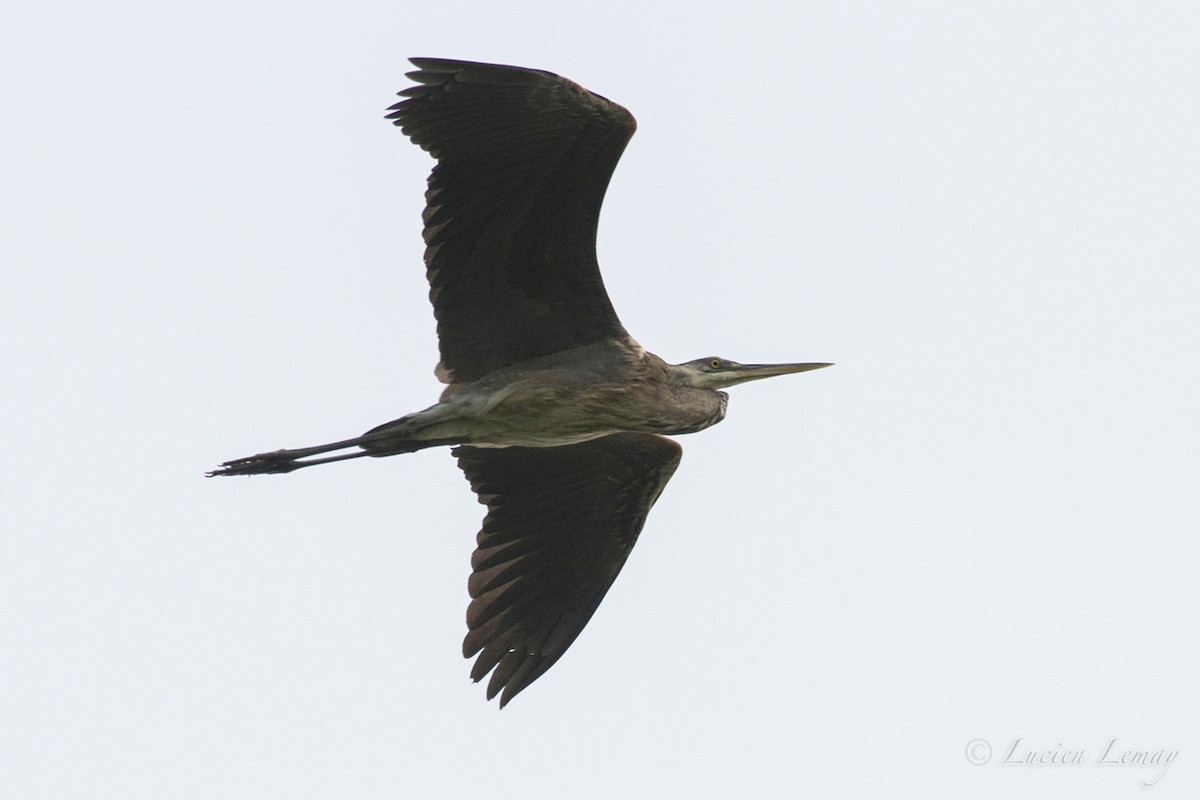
pixel 556 414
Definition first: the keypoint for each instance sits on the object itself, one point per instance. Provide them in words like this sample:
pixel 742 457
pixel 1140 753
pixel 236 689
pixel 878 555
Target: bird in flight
pixel 556 415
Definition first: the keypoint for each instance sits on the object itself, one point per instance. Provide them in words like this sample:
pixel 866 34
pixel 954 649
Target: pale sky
pixel 983 523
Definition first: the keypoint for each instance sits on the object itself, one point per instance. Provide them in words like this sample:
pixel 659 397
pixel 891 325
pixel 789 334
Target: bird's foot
pixel 264 463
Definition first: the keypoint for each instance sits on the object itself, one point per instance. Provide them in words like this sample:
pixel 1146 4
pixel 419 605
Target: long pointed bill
pixel 742 373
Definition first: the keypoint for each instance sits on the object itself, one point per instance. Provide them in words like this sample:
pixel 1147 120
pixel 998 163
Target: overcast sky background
pixel 982 523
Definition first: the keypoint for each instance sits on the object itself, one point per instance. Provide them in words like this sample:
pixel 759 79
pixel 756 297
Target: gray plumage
pixel 556 415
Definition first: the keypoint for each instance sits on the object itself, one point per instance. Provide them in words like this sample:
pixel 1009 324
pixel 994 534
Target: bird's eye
pixel 715 363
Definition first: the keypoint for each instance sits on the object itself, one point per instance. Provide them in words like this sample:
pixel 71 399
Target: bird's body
pixel 566 398
pixel 556 414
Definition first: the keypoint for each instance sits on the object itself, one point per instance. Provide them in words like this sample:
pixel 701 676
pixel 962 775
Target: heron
pixel 557 416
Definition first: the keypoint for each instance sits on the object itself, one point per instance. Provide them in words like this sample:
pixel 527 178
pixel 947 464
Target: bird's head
pixel 721 373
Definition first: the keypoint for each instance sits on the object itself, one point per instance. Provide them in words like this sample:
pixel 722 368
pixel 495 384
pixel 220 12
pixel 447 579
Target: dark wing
pixel 560 524
pixel 524 158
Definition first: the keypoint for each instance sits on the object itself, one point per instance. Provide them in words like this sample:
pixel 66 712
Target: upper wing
pixel 560 524
pixel 524 158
